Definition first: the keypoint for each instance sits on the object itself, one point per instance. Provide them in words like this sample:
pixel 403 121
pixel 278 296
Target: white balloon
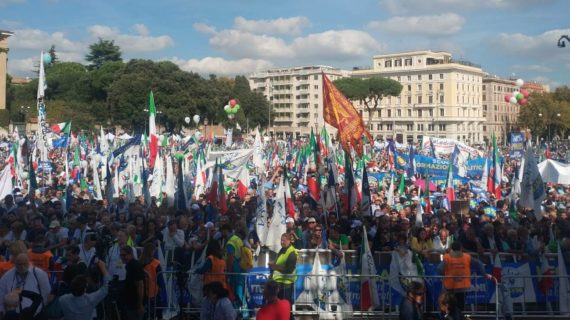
pixel 187 119
pixel 519 82
pixel 226 107
pixel 196 119
pixel 515 93
pixel 513 100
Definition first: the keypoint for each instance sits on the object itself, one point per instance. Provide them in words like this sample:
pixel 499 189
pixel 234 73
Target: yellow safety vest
pixel 237 243
pixel 281 261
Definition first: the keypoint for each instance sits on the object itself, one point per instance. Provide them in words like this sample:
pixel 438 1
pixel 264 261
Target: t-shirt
pixel 343 240
pixel 280 310
pixel 135 273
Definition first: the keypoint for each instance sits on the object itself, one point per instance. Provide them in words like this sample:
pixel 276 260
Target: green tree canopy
pixel 101 52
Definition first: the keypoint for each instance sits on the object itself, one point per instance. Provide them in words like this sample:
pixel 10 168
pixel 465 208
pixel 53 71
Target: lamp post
pixel 550 120
pixel 561 42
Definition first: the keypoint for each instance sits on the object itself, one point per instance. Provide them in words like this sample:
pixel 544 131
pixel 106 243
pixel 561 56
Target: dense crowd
pixel 68 255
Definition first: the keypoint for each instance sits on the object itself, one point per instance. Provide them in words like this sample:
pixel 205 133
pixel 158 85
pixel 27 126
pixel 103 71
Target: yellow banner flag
pixel 341 114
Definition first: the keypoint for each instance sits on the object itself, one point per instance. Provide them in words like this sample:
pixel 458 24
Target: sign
pixel 517 145
pixel 45 166
pixel 444 146
pixel 438 167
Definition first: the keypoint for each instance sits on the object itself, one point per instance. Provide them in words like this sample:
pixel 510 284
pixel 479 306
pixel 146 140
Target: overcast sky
pixel 229 37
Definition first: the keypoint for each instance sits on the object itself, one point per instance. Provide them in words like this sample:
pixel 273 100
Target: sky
pixel 508 38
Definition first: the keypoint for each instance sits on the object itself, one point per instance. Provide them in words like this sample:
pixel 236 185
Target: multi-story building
pixel 501 117
pixel 4 35
pixel 441 97
pixel 296 98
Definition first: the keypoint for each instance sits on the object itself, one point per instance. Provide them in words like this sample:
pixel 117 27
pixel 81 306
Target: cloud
pixel 543 46
pixel 204 28
pixel 20 66
pixel 141 29
pixel 432 6
pixel 336 45
pixel 35 39
pixel 289 26
pixel 532 67
pixel 553 84
pixel 132 43
pixel 434 25
pixel 220 66
pixel 10 24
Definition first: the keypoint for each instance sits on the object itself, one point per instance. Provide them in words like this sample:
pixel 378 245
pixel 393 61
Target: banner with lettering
pixel 445 146
pixel 438 167
pixel 517 145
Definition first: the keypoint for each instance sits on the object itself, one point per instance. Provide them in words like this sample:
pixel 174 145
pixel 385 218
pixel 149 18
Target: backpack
pixel 245 258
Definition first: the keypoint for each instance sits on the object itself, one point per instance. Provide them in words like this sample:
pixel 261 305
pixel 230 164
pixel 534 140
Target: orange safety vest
pixel 457 272
pixel 150 282
pixel 5 266
pixel 40 260
pixel 217 272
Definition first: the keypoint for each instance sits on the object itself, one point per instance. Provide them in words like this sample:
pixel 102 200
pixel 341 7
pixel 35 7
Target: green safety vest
pixel 281 261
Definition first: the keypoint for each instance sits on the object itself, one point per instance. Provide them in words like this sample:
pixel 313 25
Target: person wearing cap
pixel 311 224
pixel 284 269
pixel 295 233
pixel 57 237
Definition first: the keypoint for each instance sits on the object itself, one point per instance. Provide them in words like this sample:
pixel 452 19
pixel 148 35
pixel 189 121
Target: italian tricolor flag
pixel 153 145
pixel 61 127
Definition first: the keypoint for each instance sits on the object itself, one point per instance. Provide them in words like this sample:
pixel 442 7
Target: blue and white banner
pixel 517 145
pixel 438 167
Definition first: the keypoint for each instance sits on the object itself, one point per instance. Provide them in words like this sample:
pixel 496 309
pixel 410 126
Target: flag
pixel 426 198
pixel 261 223
pixel 32 175
pixel 532 187
pixel 485 176
pixel 350 192
pixel 278 226
pixel 564 286
pixel 213 192
pixel 180 194
pixel 495 177
pixel 153 145
pixel 222 203
pixel 390 195
pixel 411 168
pixel 497 268
pixel 365 204
pixel 42 85
pixel 341 114
pixel 63 127
pixel 6 185
pixel 314 189
pixel 450 191
pixel 229 137
pixel 546 282
pixel 419 215
pixel 368 290
pixel 547 153
pixel 402 186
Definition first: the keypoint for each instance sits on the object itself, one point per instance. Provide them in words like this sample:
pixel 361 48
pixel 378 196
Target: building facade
pixel 501 117
pixel 441 97
pixel 4 35
pixel 296 97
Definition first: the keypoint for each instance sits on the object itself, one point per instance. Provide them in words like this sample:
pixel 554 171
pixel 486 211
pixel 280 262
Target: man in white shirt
pixel 87 252
pixel 114 262
pixel 21 277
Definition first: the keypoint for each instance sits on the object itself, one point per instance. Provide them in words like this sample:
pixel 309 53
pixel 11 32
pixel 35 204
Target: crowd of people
pixel 68 255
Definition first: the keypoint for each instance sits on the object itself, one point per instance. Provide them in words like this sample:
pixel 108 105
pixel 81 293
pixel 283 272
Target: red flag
pixel 546 282
pixel 497 268
pixel 314 191
pixel 341 114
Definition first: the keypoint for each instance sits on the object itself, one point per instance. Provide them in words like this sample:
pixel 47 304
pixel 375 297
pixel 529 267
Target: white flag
pixel 261 227
pixel 229 137
pixel 532 187
pixel 97 193
pixel 390 195
pixel 6 186
pixel 277 227
pixel 170 186
pixel 368 290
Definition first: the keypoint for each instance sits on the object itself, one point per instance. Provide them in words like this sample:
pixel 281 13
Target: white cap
pixel 209 225
pixel 290 220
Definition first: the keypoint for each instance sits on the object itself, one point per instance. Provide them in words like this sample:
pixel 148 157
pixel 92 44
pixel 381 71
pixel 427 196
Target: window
pixel 398 78
pixel 430 127
pixel 378 126
pixel 484 97
pixel 388 63
pixel 430 87
pixel 419 87
pixel 430 77
pixel 441 75
pixel 420 127
pixel 408 62
pixel 399 113
pixel 316 77
pixel 379 113
pixel 419 99
pixel 410 127
pixel 419 113
pixel 316 96
pixel 409 112
pixel 389 127
pixel 419 77
pixel 316 87
pixel 441 98
pixel 431 112
pixel 430 98
pixel 389 113
pixel 442 127
pixel 316 105
pixel 441 86
pixel 410 87
pixel 409 100
pixel 398 63
pixel 441 112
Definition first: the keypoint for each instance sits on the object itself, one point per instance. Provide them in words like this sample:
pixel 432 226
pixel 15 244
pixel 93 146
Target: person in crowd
pixel 12 305
pixel 16 247
pixel 411 305
pixel 114 261
pixel 39 255
pixel 57 237
pixel 421 244
pixel 25 277
pixel 448 306
pixel 274 307
pixel 403 266
pixel 216 304
pixel 152 270
pixel 234 244
pixel 284 268
pixel 214 267
pixel 456 268
pixel 134 285
pixel 80 305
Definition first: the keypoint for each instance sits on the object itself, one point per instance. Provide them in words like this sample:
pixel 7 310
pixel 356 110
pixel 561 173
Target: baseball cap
pixel 291 220
pixel 195 206
pixel 311 219
pixel 209 225
pixel 54 224
pixel 356 224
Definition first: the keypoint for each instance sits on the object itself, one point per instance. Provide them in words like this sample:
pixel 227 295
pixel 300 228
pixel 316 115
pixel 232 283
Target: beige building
pixel 4 35
pixel 441 97
pixel 296 97
pixel 501 117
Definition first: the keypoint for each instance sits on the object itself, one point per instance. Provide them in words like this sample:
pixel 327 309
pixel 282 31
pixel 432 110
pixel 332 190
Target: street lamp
pixel 550 120
pixel 561 42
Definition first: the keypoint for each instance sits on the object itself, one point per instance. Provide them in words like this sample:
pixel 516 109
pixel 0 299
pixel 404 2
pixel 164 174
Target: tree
pixel 101 52
pixel 369 92
pixel 541 115
pixel 53 54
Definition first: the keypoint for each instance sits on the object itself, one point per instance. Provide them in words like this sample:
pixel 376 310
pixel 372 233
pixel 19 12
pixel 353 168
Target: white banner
pixel 445 146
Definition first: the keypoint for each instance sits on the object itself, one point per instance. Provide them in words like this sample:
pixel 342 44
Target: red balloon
pixel 525 93
pixel 233 102
pixel 507 98
pixel 523 102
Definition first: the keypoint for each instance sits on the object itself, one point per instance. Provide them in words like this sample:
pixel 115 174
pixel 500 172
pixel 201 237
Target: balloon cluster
pixel 519 96
pixel 232 108
pixel 47 58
